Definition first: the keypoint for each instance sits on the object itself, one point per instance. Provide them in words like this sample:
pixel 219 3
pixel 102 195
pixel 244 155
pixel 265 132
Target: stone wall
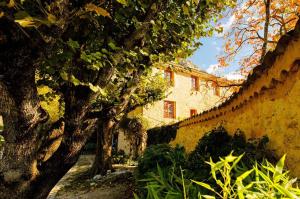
pixel 268 103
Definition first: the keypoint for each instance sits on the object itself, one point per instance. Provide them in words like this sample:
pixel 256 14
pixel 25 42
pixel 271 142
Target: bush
pixel 167 183
pixel 161 154
pixel 166 165
pixel 259 182
pixel 162 134
pixel 218 143
pixel 119 157
pixel 89 148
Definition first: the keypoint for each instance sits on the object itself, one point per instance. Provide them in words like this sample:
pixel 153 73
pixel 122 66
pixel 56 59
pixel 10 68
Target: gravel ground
pixel 76 184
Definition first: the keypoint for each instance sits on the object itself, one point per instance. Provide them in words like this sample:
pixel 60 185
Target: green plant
pixel 260 182
pixel 119 157
pixel 229 181
pixel 163 181
pixel 163 155
pixel 167 183
pixel 162 134
pixel 218 143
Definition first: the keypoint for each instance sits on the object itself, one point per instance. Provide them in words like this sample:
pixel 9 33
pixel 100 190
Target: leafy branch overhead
pixel 132 41
pixel 256 27
pixel 90 54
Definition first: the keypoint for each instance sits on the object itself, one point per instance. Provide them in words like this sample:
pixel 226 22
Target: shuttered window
pixel 169 76
pixel 169 109
pixel 216 89
pixel 193 112
pixel 195 83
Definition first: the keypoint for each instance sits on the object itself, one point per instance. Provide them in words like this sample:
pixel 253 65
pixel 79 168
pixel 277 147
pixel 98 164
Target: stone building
pixel 191 91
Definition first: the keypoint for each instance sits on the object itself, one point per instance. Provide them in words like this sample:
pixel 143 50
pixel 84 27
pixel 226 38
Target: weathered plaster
pixel 267 104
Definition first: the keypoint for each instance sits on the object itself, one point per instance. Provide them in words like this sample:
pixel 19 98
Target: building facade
pixel 191 91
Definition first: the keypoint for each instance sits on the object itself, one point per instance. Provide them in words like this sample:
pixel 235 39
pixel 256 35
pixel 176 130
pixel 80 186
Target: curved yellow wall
pixel 269 104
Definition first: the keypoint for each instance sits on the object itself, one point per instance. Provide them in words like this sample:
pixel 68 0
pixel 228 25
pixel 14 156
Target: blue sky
pixel 206 55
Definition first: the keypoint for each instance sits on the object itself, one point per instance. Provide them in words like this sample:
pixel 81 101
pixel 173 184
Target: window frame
pixel 170 73
pixel 197 85
pixel 191 112
pixel 166 109
pixel 216 89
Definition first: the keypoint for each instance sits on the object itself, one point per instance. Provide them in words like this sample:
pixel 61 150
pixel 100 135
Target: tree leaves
pixel 98 10
pixel 185 10
pixel 73 44
pixel 11 3
pixel 27 22
pixel 95 44
pixel 123 2
pixel 247 30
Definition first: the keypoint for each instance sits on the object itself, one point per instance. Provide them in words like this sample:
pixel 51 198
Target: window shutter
pixel 174 109
pixel 193 112
pixel 165 109
pixel 172 78
pixel 169 109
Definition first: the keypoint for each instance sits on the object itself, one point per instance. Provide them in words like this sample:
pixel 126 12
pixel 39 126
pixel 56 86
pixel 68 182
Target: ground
pixel 77 184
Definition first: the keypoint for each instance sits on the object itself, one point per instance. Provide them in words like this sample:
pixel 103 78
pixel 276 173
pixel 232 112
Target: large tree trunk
pixel 36 153
pixel 103 158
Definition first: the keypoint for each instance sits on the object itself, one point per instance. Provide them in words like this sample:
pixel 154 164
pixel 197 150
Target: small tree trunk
pixel 266 30
pixel 102 162
pixel 143 143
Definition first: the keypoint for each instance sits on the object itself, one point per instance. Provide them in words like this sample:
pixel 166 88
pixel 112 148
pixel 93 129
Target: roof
pixel 188 67
pixel 258 71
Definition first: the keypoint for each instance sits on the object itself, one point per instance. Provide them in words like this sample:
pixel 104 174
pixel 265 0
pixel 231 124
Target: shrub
pixel 119 157
pixel 218 143
pixel 212 146
pixel 162 134
pixel 259 182
pixel 161 154
pixel 167 183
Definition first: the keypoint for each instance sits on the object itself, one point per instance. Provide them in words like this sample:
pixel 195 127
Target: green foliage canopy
pixel 89 43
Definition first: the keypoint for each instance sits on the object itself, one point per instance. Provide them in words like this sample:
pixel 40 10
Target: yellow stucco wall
pixel 123 142
pixel 269 105
pixel 185 98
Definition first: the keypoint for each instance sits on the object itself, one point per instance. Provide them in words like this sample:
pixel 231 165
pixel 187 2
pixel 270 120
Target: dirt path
pixel 77 185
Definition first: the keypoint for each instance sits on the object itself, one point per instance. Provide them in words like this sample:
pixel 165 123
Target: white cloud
pixel 226 26
pixel 218 49
pixel 234 76
pixel 213 69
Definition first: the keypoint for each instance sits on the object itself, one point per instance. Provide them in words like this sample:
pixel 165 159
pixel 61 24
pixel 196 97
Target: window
pixel 169 76
pixel 216 89
pixel 195 83
pixel 193 112
pixel 169 109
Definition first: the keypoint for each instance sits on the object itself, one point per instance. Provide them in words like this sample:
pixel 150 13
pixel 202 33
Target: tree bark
pixel 103 157
pixel 266 30
pixel 36 153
